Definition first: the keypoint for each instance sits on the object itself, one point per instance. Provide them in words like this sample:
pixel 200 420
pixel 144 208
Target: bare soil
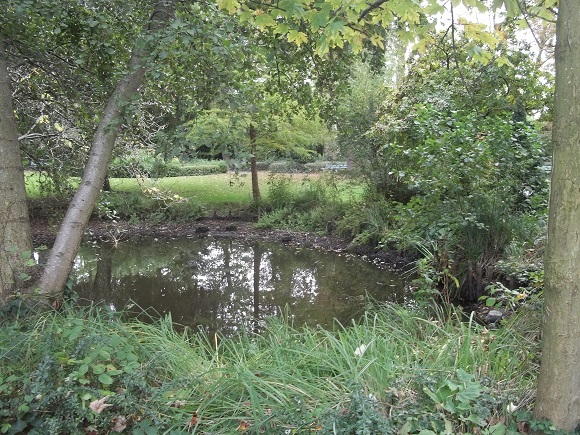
pixel 44 234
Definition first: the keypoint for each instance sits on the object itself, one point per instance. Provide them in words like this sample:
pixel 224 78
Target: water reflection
pixel 221 285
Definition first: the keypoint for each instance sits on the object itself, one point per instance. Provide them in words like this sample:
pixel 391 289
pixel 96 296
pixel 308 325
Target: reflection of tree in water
pixel 224 284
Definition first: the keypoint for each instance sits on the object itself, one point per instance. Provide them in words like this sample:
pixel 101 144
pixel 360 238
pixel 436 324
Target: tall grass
pixel 376 376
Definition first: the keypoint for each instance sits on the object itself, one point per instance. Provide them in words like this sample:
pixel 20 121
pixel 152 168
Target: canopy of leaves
pixel 218 131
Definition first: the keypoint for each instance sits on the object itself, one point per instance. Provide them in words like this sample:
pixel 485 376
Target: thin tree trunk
pixel 253 164
pixel 60 260
pixel 559 381
pixel 15 234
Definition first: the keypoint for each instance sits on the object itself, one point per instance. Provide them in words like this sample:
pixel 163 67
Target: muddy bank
pixel 44 234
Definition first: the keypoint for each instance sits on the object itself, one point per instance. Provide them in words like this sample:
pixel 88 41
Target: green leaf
pixel 229 5
pixel 292 9
pixel 502 60
pixel 297 37
pixel 83 369
pixel 490 302
pixel 24 276
pixel 105 379
pixel 265 20
pixel 319 20
pixel 335 28
pixel 408 10
pixel 98 369
pixel 497 429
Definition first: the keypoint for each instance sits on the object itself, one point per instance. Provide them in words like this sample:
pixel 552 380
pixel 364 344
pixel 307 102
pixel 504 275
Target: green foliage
pixel 77 370
pixel 361 414
pixel 64 58
pixel 357 112
pixel 219 132
pixel 315 205
pixel 143 163
pixel 466 165
pixel 366 222
pixel 462 398
pixel 202 167
pixel 499 296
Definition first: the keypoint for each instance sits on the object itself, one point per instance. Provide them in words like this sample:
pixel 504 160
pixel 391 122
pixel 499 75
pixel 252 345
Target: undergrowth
pixel 397 371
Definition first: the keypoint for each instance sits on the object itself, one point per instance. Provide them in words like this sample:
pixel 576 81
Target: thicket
pixel 456 166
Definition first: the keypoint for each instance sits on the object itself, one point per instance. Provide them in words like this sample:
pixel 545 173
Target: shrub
pixel 144 164
pixel 202 167
pixel 314 206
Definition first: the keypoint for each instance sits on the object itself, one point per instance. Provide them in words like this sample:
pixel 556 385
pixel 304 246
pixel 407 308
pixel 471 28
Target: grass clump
pixel 395 372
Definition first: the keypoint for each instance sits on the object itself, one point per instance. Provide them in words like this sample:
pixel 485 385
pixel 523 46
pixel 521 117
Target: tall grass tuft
pixel 396 371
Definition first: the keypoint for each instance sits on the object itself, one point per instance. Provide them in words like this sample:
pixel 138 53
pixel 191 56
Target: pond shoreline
pixel 44 234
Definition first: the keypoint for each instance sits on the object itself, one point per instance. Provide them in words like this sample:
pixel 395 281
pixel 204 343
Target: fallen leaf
pixel 120 423
pixel 99 405
pixel 194 420
pixel 243 426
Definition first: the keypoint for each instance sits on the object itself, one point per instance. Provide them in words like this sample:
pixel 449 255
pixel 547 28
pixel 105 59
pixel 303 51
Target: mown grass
pixel 212 190
pixel 416 372
pixel 217 189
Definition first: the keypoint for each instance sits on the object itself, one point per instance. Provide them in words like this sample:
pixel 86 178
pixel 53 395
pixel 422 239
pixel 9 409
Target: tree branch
pixel 371 7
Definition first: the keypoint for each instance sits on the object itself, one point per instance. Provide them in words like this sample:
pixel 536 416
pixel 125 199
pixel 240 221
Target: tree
pixel 64 250
pixel 15 235
pixel 559 382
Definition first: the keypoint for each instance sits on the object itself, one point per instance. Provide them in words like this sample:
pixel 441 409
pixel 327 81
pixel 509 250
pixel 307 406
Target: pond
pixel 224 284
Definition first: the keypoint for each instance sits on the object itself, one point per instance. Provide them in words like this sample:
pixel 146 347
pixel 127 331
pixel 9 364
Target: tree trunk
pixel 15 234
pixel 559 381
pixel 253 164
pixel 60 260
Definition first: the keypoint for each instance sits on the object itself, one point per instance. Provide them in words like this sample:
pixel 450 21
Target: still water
pixel 222 285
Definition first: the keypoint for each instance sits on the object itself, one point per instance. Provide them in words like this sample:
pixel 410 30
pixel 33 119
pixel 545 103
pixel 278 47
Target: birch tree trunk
pixel 65 248
pixel 15 234
pixel 559 381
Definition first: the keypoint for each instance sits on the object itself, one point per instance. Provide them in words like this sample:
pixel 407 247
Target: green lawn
pixel 213 190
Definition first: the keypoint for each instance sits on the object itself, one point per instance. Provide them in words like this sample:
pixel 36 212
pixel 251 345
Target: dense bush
pixel 454 164
pixel 287 166
pixel 203 167
pixel 476 180
pixel 145 164
pixel 313 206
